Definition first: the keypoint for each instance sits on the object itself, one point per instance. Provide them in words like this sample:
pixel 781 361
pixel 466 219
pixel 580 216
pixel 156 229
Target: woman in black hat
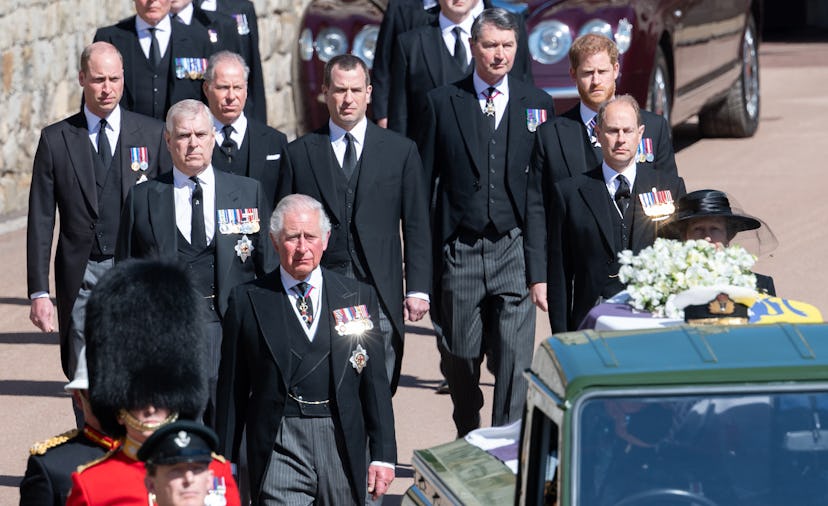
pixel 708 215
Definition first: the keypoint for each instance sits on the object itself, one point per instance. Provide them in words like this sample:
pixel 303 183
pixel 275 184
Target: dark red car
pixel 678 57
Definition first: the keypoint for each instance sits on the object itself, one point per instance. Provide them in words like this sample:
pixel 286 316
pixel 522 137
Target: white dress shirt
pixel 315 294
pixel 447 29
pixel 338 139
pixel 185 14
pixel 162 33
pixel 209 5
pixel 113 127
pixel 501 99
pixel 239 129
pixel 183 193
pixel 611 178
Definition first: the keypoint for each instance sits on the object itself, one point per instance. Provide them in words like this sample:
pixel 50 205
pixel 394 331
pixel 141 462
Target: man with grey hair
pixel 206 219
pixel 597 214
pixel 303 371
pixel 244 145
pixel 475 146
pixel 83 169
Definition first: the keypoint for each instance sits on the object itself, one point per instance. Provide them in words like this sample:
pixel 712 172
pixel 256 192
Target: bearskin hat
pixel 145 342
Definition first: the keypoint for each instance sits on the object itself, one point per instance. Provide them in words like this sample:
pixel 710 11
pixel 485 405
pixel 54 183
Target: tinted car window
pixel 754 448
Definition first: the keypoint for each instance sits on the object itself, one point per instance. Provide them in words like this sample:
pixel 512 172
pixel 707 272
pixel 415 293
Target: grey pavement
pixel 775 175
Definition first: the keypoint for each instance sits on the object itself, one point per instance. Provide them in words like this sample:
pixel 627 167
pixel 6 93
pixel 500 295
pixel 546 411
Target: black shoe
pixel 443 388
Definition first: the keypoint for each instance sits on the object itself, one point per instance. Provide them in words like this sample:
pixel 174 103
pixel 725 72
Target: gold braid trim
pixel 83 467
pixel 218 457
pixel 42 447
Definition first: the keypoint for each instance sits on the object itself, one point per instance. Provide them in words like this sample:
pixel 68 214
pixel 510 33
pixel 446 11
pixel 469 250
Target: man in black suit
pixel 594 216
pixel 476 151
pixel 49 469
pixel 568 146
pixel 371 182
pixel 220 28
pixel 244 145
pixel 164 62
pixel 206 219
pixel 85 176
pixel 405 15
pixel 247 27
pixel 302 371
pixel 427 57
pixel 400 16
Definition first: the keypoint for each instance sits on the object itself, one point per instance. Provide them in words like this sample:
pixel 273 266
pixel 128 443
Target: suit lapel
pixel 594 193
pixel 129 131
pixel 256 150
pixel 162 214
pixel 133 56
pixel 78 146
pixel 642 227
pixel 338 297
pixel 371 162
pixel 432 45
pixel 268 306
pixel 227 197
pixel 577 149
pixel 321 163
pixel 469 118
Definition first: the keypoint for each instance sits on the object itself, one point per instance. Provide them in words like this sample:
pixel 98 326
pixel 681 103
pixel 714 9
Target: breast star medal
pixel 244 248
pixel 359 357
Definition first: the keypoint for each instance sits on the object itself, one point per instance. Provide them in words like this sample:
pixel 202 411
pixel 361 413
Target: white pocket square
pixel 274 157
pixel 142 179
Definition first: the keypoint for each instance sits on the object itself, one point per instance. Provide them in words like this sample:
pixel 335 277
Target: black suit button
pixel 336 225
pixel 492 171
pixel 491 186
pixel 92 226
pixel 492 157
pixel 494 141
pixel 350 191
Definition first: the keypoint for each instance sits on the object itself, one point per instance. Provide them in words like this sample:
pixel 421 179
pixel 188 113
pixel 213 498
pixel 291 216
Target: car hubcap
pixel 750 75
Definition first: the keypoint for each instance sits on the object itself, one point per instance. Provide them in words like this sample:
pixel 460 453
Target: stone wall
pixel 40 43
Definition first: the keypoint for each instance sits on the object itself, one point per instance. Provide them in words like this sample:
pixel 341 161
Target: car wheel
pixel 738 114
pixel 659 99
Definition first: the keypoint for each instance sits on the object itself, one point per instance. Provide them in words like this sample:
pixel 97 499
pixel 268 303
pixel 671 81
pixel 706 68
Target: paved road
pixel 775 175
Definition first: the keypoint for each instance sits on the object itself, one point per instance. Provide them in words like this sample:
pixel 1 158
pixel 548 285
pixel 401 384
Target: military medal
pixel 352 321
pixel 645 151
pixel 213 35
pixel 139 158
pixel 535 118
pixel 190 68
pixel 359 358
pixel 241 24
pixel 244 248
pixel 238 221
pixel 216 495
pixel 657 204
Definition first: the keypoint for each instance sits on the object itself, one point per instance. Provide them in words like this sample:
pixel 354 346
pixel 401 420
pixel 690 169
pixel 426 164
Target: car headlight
pixel 365 44
pixel 550 41
pixel 330 42
pixel 597 26
pixel 306 45
pixel 623 35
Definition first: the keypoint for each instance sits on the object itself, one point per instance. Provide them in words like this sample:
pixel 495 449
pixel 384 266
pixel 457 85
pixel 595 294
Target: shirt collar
pixel 480 85
pixel 288 281
pixel 207 177
pixel 186 14
pixel 447 25
pixel 240 125
pixel 358 131
pixel 586 113
pixel 610 173
pixel 163 25
pixel 113 119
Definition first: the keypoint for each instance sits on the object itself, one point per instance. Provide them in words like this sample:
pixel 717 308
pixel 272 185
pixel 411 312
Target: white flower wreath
pixel 656 274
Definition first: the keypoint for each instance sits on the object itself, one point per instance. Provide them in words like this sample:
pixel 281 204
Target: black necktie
pixel 104 151
pixel 155 49
pixel 198 235
pixel 349 161
pixel 490 111
pixel 622 195
pixel 303 302
pixel 228 145
pixel 460 49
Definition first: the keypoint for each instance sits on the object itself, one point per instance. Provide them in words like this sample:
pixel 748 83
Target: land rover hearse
pixel 708 415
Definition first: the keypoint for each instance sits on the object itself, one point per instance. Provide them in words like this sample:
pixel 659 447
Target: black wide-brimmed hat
pixel 705 204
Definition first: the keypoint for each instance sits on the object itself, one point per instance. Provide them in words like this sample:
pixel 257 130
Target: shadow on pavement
pixel 423 331
pixel 16 301
pixel 33 388
pixel 10 481
pixel 409 381
pixel 29 338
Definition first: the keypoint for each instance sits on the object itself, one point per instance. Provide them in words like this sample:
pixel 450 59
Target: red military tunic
pixel 117 479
